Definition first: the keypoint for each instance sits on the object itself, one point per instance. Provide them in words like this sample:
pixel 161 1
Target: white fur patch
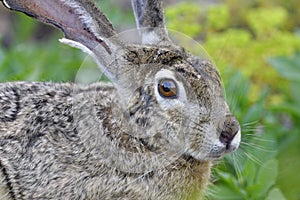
pixel 150 38
pixel 77 45
pixel 6 4
pixel 235 143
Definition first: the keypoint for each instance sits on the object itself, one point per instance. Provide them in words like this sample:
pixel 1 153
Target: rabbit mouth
pixel 215 150
pixel 219 151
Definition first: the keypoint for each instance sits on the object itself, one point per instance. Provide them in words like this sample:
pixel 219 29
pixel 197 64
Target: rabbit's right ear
pixel 83 24
pixel 150 20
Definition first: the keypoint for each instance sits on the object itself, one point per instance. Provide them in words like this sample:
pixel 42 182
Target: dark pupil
pixel 167 86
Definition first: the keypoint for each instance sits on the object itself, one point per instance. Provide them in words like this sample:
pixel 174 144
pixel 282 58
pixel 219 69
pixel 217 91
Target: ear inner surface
pixel 80 20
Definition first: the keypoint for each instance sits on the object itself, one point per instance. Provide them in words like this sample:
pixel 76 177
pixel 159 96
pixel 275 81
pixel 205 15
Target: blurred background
pixel 256 46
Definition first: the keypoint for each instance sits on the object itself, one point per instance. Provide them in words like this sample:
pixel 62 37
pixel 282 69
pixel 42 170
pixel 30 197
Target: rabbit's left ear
pixel 84 25
pixel 150 20
pixel 81 21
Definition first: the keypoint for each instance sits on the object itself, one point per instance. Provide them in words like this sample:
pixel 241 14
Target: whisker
pixel 256 146
pixel 257 138
pixel 249 123
pixel 237 168
pixel 254 130
pixel 234 99
pixel 252 157
pixel 250 127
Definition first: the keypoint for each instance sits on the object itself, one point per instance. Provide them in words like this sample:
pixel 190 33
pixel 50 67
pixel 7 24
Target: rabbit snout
pixel 230 133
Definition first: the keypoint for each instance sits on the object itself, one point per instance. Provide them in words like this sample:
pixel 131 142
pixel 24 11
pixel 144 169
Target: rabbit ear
pixel 83 24
pixel 150 21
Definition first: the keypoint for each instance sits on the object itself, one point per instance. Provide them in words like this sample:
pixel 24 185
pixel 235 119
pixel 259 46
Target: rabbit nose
pixel 230 134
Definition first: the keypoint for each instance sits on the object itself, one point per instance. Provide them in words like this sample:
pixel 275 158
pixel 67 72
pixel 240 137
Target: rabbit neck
pixel 192 176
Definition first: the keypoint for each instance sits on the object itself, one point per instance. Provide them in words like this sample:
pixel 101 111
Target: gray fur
pixel 120 140
pixel 150 21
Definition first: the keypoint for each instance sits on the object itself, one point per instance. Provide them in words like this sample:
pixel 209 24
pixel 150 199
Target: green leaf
pixel 265 179
pixel 223 192
pixel 288 67
pixel 250 171
pixel 275 194
pixel 254 113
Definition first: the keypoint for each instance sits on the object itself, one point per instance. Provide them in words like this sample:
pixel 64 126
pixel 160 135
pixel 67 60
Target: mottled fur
pixel 120 140
pixel 43 153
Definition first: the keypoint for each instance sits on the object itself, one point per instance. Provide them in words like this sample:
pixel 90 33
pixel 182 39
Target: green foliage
pixel 289 162
pixel 185 18
pixel 43 61
pixel 241 7
pixel 287 67
pixel 119 18
pixel 25 31
pixel 217 17
pixel 275 194
pixel 48 62
pixel 265 21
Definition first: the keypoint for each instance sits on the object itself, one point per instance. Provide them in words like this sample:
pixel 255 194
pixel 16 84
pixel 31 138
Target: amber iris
pixel 167 88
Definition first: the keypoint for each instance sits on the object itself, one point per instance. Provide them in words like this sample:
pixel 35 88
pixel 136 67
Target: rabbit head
pixel 169 98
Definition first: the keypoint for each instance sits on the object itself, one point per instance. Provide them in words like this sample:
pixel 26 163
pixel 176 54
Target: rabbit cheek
pixel 198 146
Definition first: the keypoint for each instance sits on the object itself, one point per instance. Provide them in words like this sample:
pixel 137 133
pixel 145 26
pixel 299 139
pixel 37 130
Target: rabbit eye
pixel 167 88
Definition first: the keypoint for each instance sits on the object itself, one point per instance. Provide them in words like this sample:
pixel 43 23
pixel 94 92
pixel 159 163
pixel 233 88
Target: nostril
pixel 229 130
pixel 227 137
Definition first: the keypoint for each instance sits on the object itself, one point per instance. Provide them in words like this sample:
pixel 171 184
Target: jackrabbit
pixel 150 134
